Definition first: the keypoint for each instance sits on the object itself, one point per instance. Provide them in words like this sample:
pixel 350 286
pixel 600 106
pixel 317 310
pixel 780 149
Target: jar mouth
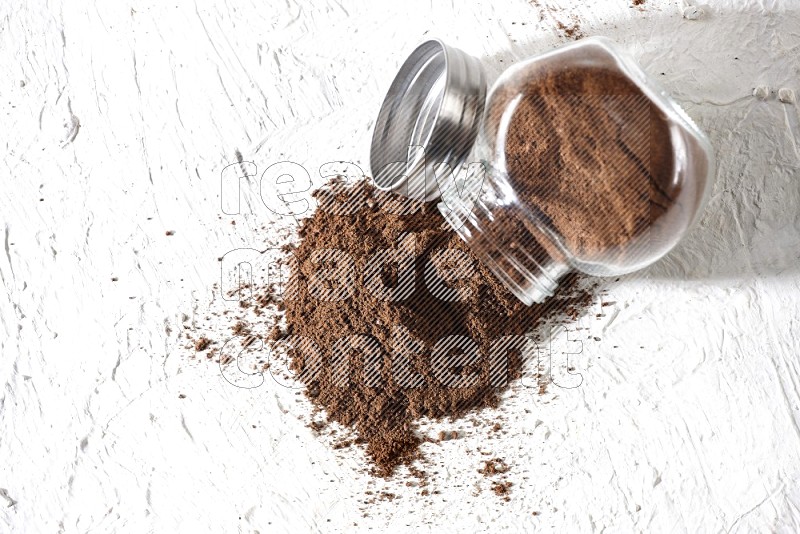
pixel 527 262
pixel 430 116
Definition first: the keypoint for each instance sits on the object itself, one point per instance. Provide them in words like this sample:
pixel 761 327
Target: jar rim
pixel 430 116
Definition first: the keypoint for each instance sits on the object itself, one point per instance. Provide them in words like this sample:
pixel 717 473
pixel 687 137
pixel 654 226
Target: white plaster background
pixel 121 115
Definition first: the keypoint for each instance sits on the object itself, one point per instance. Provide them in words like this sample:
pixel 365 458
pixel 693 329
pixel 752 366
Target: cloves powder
pixel 590 153
pixel 391 382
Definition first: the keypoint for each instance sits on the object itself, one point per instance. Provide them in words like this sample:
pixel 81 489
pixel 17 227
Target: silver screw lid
pixel 430 116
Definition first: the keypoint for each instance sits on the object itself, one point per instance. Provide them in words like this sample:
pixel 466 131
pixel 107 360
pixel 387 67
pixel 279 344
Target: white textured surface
pixel 121 116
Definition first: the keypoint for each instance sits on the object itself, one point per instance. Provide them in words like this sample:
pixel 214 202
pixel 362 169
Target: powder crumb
pixel 343 444
pixel 170 232
pixel 240 328
pixel 276 333
pixel 572 31
pixel 445 435
pixel 502 489
pixel 494 467
pixel 317 426
pixel 202 344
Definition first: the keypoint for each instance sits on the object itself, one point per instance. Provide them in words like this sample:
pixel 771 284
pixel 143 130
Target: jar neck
pixel 509 241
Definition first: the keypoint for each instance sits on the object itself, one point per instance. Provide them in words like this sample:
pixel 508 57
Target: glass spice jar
pixel 575 160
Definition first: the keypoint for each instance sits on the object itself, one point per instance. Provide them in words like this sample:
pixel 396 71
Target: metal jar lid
pixel 430 116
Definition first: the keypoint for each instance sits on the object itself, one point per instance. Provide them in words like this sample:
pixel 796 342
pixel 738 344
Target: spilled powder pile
pixel 588 149
pixel 363 331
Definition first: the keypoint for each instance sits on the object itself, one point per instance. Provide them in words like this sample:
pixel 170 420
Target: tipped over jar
pixel 575 160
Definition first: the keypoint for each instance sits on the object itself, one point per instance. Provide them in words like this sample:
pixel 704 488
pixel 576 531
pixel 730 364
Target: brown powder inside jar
pixel 589 150
pixel 380 394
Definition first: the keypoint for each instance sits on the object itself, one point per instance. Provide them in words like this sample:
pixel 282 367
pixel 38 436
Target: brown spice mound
pixel 589 149
pixel 382 394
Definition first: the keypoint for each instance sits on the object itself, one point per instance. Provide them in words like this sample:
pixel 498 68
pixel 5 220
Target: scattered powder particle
pixel 342 444
pixel 494 467
pixel 170 232
pixel 240 328
pixel 445 435
pixel 572 31
pixel 317 426
pixel 276 333
pixel 502 489
pixel 202 344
